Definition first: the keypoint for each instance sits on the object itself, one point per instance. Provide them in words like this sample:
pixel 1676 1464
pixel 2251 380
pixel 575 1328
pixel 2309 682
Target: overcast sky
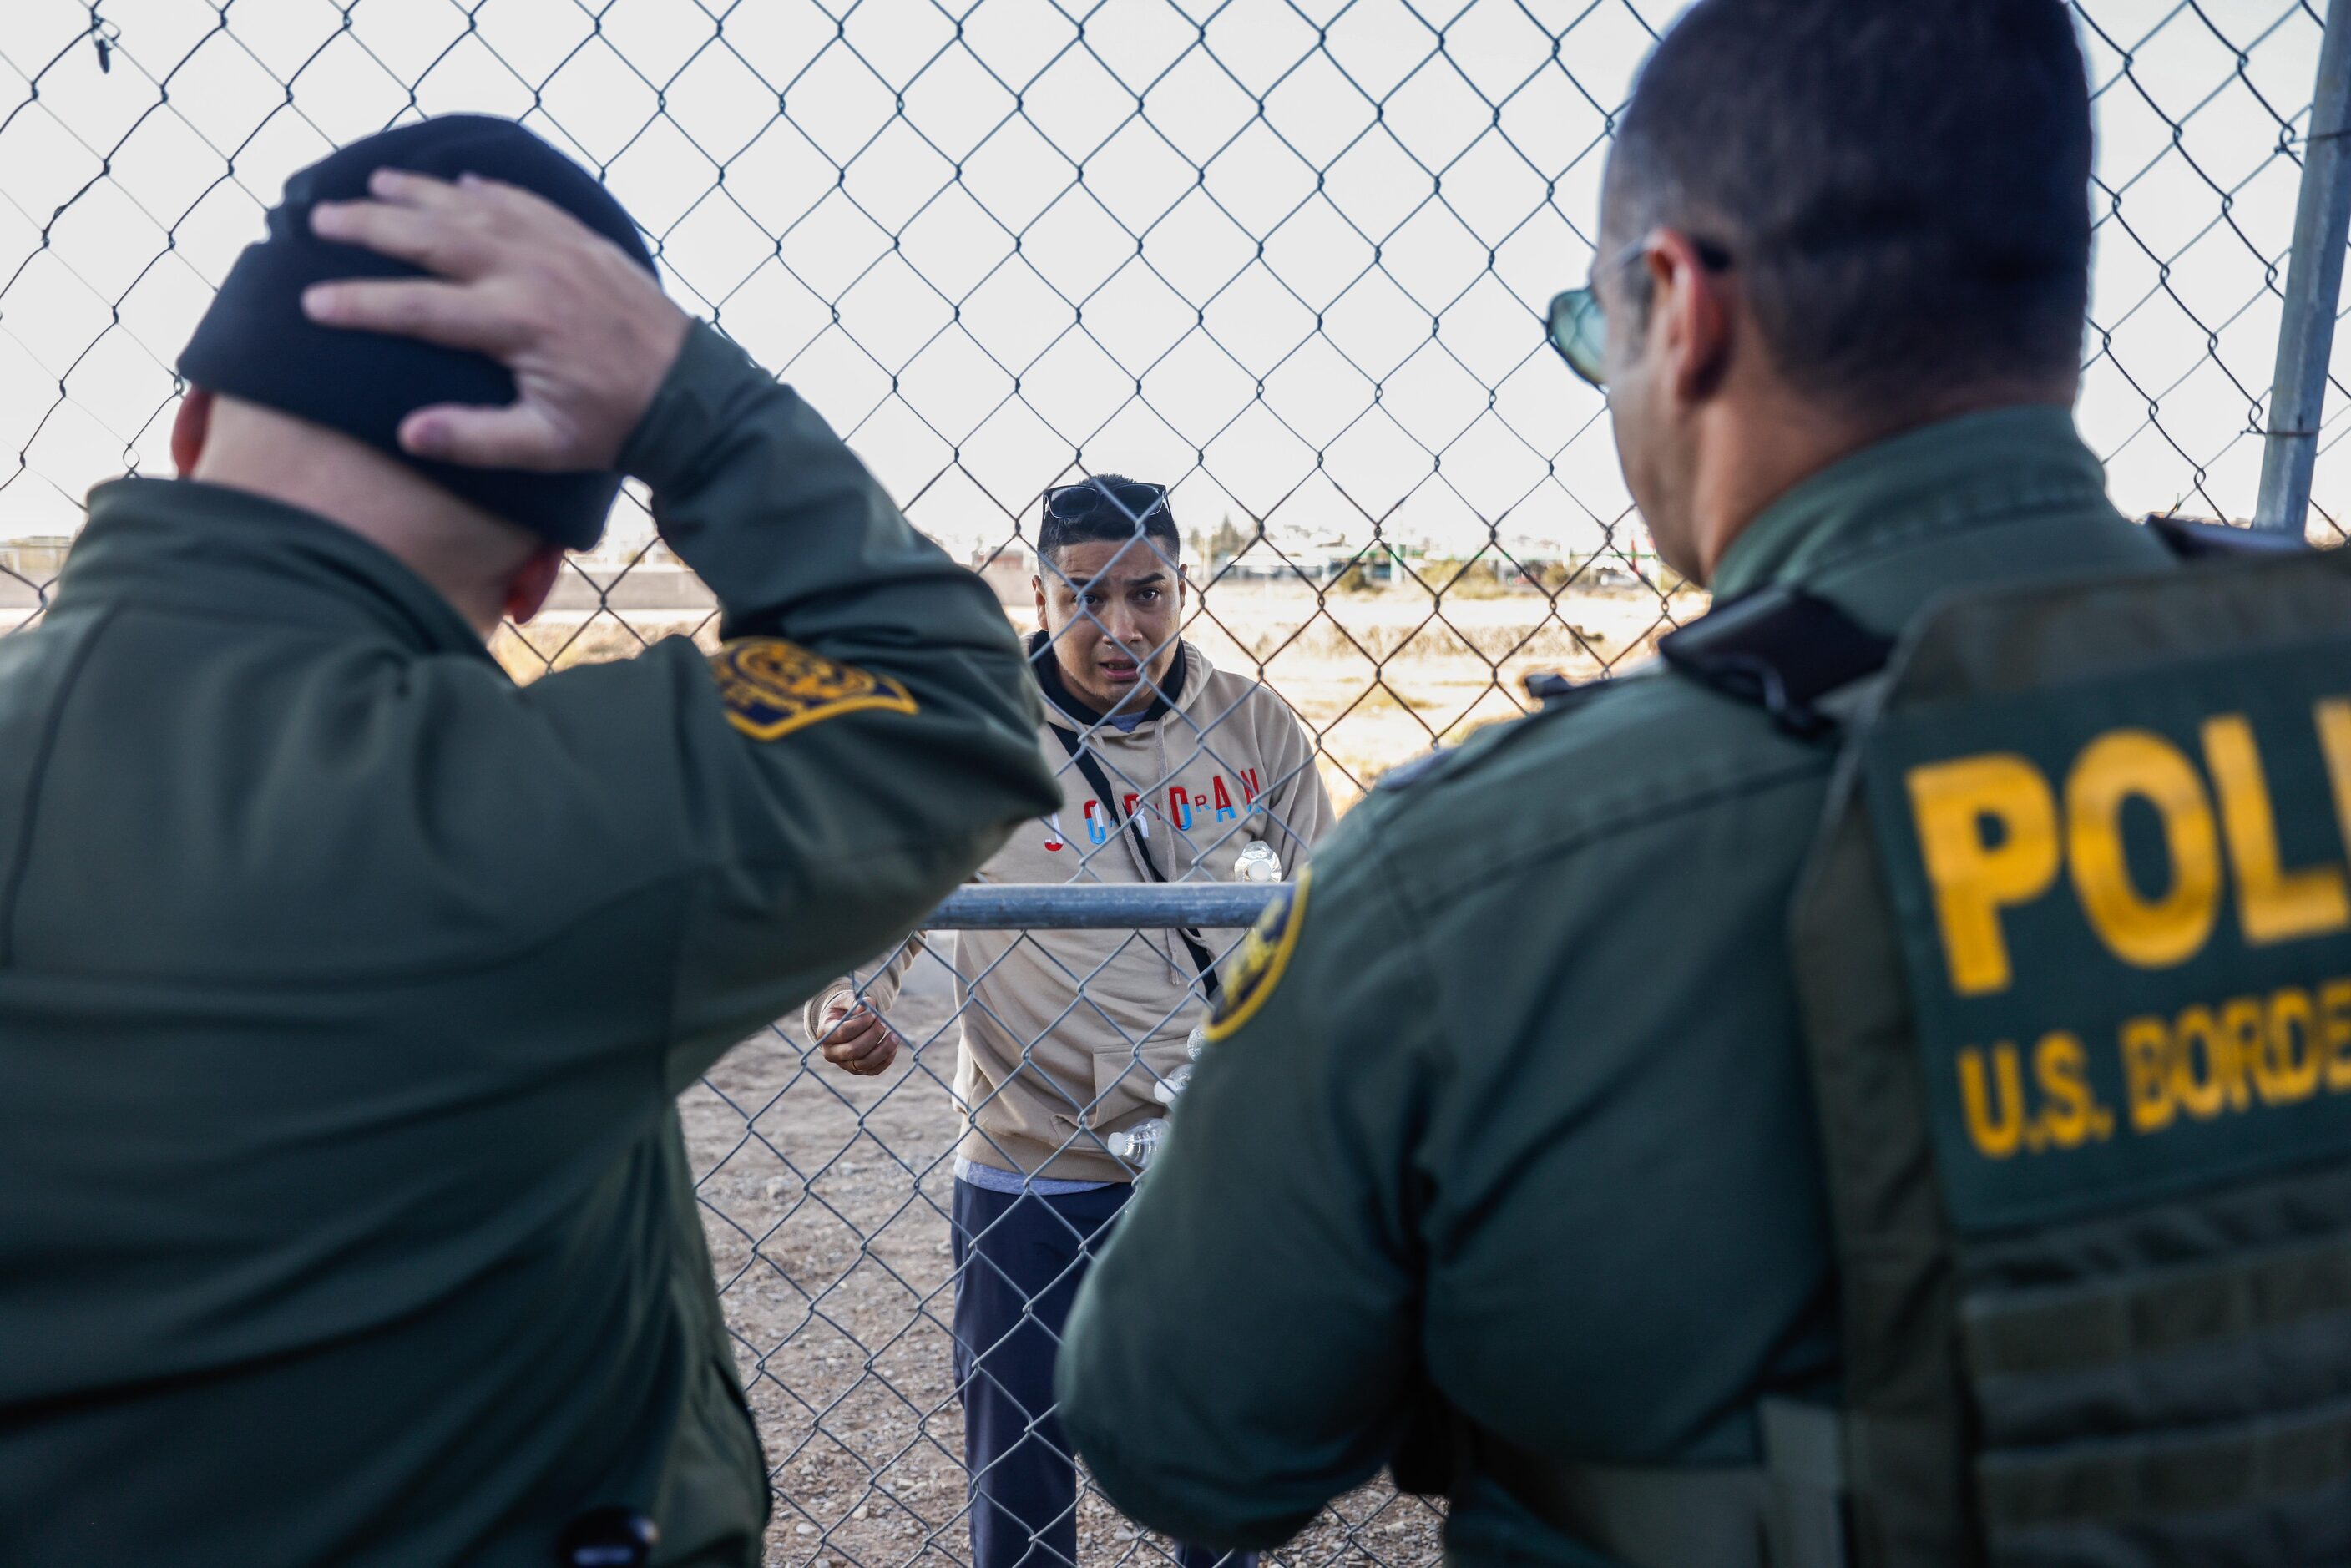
pixel 1287 253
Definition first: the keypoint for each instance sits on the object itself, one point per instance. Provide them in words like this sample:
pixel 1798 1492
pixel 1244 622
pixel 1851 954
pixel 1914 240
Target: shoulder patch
pixel 772 687
pixel 1265 954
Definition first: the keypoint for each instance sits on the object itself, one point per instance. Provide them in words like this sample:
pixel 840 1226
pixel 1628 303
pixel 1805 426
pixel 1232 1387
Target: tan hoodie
pixel 1065 1032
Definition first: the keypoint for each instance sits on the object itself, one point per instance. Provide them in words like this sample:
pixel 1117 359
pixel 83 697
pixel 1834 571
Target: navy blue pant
pixel 1018 1258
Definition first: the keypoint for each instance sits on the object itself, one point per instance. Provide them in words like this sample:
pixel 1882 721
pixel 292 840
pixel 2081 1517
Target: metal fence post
pixel 2314 281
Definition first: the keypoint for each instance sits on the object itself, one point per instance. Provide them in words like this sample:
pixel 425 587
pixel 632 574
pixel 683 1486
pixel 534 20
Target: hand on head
pixel 586 334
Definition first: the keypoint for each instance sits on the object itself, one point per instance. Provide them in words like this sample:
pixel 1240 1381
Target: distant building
pixel 1008 569
pixel 38 560
pixel 1295 556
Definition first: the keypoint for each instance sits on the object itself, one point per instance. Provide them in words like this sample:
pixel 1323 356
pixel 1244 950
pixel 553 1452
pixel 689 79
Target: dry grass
pixel 1380 677
pixel 1377 676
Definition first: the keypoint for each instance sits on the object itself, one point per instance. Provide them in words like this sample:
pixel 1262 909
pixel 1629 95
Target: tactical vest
pixel 2073 958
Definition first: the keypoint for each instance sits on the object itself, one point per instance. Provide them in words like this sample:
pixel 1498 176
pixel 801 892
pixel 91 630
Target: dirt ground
pixel 825 1200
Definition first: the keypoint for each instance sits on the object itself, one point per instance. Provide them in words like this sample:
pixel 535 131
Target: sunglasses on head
pixel 1578 328
pixel 1073 503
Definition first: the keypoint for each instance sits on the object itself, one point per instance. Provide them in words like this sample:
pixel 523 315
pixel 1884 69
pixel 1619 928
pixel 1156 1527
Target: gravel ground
pixel 825 1200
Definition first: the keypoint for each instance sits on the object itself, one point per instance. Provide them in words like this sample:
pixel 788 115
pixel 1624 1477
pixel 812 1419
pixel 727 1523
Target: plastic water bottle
pixel 1137 1145
pixel 1257 863
pixel 1175 1082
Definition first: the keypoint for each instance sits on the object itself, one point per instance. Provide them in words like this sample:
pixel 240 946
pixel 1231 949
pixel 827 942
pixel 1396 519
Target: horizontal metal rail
pixel 1103 906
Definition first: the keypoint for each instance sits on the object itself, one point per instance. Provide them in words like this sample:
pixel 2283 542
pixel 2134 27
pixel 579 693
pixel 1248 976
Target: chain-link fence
pixel 1282 257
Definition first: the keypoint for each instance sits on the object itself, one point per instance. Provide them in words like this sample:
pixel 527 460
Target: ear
pixel 190 427
pixel 532 582
pixel 1037 586
pixel 1692 308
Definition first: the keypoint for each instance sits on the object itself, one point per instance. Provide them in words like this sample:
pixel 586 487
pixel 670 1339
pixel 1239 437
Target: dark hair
pixel 1902 185
pixel 1112 520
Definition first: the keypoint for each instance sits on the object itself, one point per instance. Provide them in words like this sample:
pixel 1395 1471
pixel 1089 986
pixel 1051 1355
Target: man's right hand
pixel 855 1037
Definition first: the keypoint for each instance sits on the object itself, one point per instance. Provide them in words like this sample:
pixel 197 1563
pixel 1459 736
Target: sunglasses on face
pixel 1579 329
pixel 1073 503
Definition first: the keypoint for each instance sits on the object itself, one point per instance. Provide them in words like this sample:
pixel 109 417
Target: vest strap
pixel 2193 539
pixel 1783 649
pixel 1804 1457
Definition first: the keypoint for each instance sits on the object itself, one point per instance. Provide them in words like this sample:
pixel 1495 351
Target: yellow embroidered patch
pixel 1265 954
pixel 772 687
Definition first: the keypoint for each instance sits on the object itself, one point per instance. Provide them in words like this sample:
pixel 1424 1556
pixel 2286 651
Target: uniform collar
pixel 1978 466
pixel 184 542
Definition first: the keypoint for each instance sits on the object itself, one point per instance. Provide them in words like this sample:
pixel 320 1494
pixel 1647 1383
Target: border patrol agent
pixel 346 987
pixel 1671 1182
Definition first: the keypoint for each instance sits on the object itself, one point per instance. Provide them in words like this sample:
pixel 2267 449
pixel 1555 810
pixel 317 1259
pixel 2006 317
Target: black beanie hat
pixel 254 344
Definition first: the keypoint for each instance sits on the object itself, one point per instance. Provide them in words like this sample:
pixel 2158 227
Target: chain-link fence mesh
pixel 1283 256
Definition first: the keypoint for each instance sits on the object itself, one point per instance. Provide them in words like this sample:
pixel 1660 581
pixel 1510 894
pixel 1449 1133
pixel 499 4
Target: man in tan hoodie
pixel 1171 771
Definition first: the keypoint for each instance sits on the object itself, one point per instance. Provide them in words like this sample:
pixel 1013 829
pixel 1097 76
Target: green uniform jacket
pixel 346 987
pixel 1520 1108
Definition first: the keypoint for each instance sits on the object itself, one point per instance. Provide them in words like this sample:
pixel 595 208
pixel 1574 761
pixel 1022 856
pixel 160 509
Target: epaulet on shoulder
pixel 1781 649
pixel 1405 774
pixel 2202 539
pixel 1556 692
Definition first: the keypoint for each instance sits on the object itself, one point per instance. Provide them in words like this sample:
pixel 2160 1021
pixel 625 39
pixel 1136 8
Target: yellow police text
pixel 2058 1111
pixel 2207 1061
pixel 2200 1063
pixel 1996 832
